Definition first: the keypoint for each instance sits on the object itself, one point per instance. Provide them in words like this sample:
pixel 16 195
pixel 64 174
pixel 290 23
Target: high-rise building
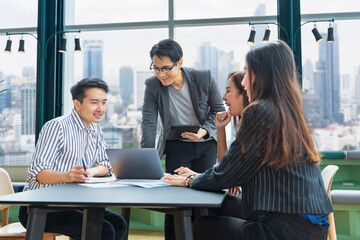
pixel 28 109
pixel 5 97
pixel 93 59
pixel 311 107
pixel 28 72
pixel 218 62
pixel 141 77
pixel 226 66
pixel 127 85
pixel 357 84
pixel 308 76
pixel 327 80
pixel 209 58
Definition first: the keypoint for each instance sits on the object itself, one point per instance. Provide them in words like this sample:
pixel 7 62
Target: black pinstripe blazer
pixel 296 189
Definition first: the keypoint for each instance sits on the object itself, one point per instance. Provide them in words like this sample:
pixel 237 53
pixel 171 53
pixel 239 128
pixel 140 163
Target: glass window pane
pixel 325 6
pixel 331 85
pixel 221 49
pixel 189 9
pixel 19 13
pixel 18 103
pixel 110 11
pixel 122 59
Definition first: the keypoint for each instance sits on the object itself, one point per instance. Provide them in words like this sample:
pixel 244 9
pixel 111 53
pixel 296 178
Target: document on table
pixel 101 179
pixel 145 183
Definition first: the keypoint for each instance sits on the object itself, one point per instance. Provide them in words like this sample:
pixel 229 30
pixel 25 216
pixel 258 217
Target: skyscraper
pixel 141 77
pixel 357 84
pixel 327 80
pixel 226 66
pixel 127 85
pixel 308 76
pixel 218 62
pixel 93 63
pixel 209 58
pixel 5 97
pixel 28 109
pixel 28 72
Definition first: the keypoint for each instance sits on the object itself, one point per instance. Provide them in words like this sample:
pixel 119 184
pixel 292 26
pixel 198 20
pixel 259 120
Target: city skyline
pixel 124 54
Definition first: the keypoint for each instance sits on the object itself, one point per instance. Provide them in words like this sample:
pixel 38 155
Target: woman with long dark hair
pixel 236 100
pixel 273 158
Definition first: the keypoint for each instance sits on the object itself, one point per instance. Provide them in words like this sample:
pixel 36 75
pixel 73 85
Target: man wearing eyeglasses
pixel 182 96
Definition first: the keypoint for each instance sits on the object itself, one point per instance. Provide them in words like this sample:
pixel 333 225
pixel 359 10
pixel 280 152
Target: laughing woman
pixel 273 158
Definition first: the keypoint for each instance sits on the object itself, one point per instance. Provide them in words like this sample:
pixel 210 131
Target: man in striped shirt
pixel 63 144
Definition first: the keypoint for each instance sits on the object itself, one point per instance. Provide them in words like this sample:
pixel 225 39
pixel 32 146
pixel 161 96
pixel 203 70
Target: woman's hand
pixel 222 119
pixel 194 136
pixel 175 180
pixel 184 171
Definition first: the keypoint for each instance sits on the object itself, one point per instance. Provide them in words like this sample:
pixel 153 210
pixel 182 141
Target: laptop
pixel 140 163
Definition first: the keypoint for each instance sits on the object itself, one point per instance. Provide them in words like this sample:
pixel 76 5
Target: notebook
pixel 140 163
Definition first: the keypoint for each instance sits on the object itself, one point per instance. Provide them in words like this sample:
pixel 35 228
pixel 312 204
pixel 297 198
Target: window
pixel 122 59
pixel 18 73
pixel 19 13
pixel 114 11
pixel 325 6
pixel 331 85
pixel 189 9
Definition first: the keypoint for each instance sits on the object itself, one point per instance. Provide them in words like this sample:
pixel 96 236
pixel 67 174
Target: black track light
pixel 266 35
pixel 77 45
pixel 330 37
pixel 21 46
pixel 8 46
pixel 317 35
pixel 62 48
pixel 251 39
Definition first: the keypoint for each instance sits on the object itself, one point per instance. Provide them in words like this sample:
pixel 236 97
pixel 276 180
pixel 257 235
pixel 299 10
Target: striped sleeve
pixel 102 158
pixel 50 140
pixel 232 171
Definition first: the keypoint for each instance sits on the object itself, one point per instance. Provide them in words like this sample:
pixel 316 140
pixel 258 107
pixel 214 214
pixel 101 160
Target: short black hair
pixel 78 90
pixel 168 48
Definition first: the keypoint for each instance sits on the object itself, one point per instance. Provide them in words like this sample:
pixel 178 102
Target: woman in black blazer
pixel 273 158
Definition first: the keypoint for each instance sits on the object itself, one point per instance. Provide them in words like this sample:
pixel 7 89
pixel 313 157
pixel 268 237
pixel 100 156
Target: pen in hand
pixel 84 166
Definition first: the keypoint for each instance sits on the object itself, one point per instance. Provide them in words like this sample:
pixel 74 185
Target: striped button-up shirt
pixel 295 189
pixel 63 142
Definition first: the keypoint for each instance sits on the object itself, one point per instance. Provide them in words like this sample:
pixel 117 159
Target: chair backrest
pixel 5 185
pixel 328 174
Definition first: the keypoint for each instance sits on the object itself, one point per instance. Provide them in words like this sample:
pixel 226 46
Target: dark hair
pixel 275 81
pixel 78 90
pixel 237 78
pixel 168 48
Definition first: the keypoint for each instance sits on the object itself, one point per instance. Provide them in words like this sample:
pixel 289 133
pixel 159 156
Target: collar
pixel 80 123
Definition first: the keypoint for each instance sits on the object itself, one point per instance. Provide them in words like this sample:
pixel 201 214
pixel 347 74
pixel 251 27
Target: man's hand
pixel 194 136
pixel 77 174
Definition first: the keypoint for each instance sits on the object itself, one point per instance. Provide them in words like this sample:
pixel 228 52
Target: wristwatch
pixel 189 180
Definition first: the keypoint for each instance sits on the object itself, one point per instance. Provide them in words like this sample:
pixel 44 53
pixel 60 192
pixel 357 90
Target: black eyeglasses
pixel 165 70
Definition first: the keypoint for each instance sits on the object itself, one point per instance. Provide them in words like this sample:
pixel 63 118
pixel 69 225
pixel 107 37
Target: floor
pixel 137 235
pixel 146 234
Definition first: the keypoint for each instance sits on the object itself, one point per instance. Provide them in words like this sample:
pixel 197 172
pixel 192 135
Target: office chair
pixel 13 231
pixel 328 174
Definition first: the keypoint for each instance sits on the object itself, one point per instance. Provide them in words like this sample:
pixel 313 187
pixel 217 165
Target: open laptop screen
pixel 140 163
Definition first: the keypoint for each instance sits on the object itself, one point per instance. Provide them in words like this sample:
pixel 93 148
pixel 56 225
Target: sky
pixel 131 47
